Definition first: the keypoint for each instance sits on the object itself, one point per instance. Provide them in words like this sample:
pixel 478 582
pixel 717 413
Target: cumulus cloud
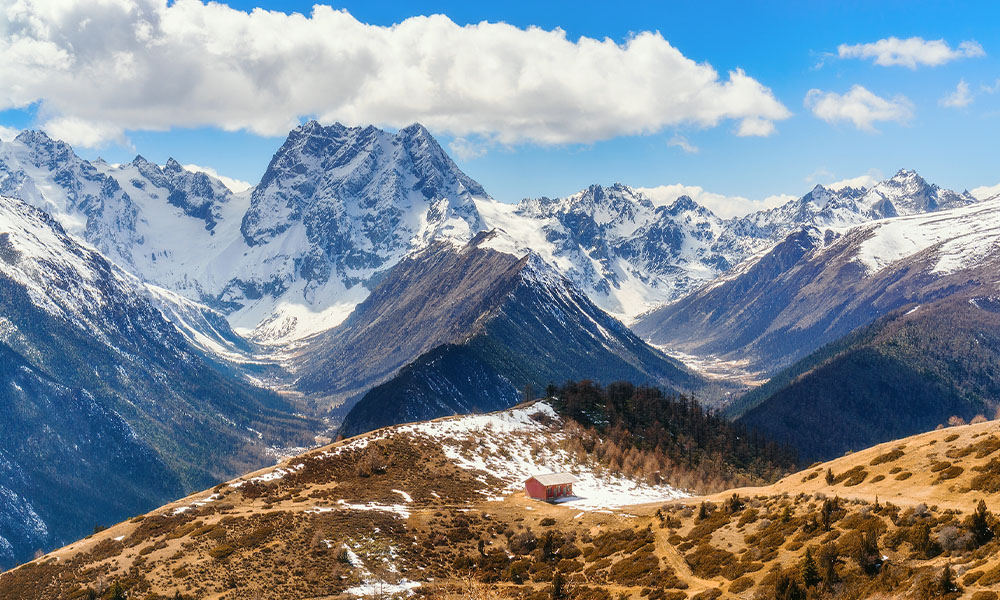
pixel 8 133
pixel 960 98
pixel 911 52
pixel 679 141
pixel 720 204
pixel 77 131
pixel 235 185
pixel 861 181
pixel 98 68
pixel 859 106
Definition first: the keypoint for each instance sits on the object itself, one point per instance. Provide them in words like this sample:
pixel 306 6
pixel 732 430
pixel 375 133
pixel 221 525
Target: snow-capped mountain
pixel 338 206
pixel 905 193
pixel 89 363
pixel 630 255
pixel 612 242
pixel 819 284
pixel 49 175
pixel 290 257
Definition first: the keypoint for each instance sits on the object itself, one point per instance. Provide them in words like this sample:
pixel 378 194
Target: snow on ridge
pixel 962 238
pixel 503 448
pixel 500 443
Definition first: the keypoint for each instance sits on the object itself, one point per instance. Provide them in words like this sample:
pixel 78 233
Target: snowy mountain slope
pixel 91 340
pixel 48 175
pixel 625 253
pixel 338 206
pixel 819 284
pixel 335 207
pixel 631 256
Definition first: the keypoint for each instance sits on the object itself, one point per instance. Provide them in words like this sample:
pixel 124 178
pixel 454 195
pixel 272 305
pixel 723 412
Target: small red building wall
pixel 534 489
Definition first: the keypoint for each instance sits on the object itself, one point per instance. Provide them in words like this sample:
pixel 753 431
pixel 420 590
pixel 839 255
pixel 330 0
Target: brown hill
pixel 434 510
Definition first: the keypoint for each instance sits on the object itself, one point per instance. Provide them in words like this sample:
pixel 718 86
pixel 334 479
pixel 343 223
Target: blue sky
pixel 788 48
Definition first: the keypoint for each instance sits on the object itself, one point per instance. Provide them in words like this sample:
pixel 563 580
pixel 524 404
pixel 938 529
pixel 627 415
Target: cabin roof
pixel 548 479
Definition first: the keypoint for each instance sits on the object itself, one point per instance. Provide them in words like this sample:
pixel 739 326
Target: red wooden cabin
pixel 549 487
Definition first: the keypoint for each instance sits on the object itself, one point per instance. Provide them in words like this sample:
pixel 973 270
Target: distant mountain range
pixel 338 206
pixel 819 284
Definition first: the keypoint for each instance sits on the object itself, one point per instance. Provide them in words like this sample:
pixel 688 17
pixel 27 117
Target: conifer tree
pixel 117 591
pixel 808 570
pixel 979 524
pixel 829 477
pixel 946 583
pixel 828 559
pixel 558 586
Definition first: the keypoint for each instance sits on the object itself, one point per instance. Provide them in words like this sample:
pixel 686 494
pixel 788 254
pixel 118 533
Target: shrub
pixel 889 456
pixel 221 552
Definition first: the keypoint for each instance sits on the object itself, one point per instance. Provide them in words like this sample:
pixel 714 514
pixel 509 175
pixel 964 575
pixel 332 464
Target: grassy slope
pixel 267 536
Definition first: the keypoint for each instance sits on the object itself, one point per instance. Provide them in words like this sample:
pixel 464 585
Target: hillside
pixel 435 510
pixel 451 329
pixel 906 373
pixel 450 485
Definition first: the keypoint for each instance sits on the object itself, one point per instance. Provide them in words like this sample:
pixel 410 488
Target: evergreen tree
pixel 808 570
pixel 828 558
pixel 979 524
pixel 827 512
pixel 829 477
pixel 923 543
pixel 117 591
pixel 787 588
pixel 946 582
pixel 558 586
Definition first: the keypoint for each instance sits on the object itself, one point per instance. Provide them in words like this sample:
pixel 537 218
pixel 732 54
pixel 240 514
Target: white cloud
pixel 82 132
pixel 723 206
pixel 755 127
pixel 960 98
pixel 8 133
pixel 679 141
pixel 820 174
pixel 858 106
pixel 991 89
pixel 234 185
pixel 985 191
pixel 911 52
pixel 99 68
pixel 862 181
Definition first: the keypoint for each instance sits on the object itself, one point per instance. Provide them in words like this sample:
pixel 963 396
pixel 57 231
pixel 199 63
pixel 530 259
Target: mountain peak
pixel 33 137
pixel 416 129
pixel 684 203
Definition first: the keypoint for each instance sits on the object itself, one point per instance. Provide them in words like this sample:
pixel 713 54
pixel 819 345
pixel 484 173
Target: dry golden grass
pixel 268 540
